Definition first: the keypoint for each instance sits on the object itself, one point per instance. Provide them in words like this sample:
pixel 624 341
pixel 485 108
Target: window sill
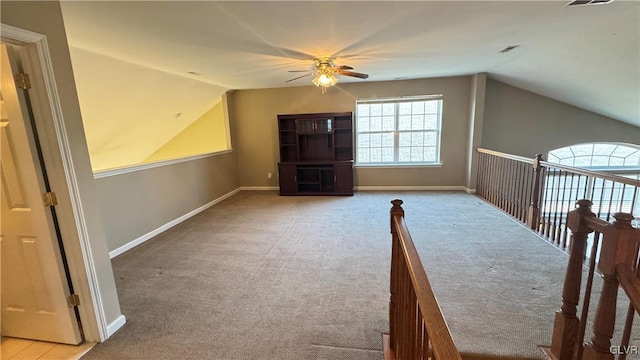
pixel 394 166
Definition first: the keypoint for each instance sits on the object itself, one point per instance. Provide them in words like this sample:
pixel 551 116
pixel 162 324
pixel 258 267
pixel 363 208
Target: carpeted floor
pixel 260 276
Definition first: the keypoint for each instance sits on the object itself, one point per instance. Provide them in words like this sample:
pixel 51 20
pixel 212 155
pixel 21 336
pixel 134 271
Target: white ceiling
pixel 587 56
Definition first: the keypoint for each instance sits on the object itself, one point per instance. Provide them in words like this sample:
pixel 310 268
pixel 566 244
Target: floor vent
pixel 588 2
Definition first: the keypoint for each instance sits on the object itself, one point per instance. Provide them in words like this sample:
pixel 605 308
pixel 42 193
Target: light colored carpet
pixel 260 276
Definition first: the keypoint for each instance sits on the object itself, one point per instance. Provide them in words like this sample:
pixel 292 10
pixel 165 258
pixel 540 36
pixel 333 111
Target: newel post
pixel 396 210
pixel 618 247
pixel 533 215
pixel 565 325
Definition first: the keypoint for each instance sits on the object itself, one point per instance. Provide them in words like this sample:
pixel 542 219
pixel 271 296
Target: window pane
pixel 376 155
pixel 431 122
pixel 363 155
pixel 600 161
pixel 375 109
pixel 430 139
pixel 417 107
pixel 363 140
pixel 623 151
pixel 632 160
pixel 388 109
pixel 387 154
pixel 583 149
pixel 404 123
pixel 388 123
pixel 387 140
pixel 376 124
pixel 582 161
pixel 604 149
pixel 616 161
pixel 376 140
pixel 431 107
pixel 363 124
pixel 363 110
pixel 567 161
pixel 430 154
pixel 404 108
pixel 417 138
pixel 417 122
pixel 404 154
pixel 404 139
pixel 417 154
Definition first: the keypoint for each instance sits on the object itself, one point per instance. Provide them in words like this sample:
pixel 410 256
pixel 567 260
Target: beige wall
pixel 46 18
pixel 523 123
pixel 207 134
pixel 139 202
pixel 254 114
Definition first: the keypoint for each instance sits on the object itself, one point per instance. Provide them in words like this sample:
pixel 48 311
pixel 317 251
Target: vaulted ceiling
pixel 587 56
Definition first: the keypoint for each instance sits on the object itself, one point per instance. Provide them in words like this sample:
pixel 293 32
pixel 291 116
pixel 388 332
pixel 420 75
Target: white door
pixel 34 286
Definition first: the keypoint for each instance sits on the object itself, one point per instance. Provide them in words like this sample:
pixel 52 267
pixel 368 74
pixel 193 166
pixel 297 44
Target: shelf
pixel 316 154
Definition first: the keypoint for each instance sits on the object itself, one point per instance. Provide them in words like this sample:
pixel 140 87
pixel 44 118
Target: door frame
pixel 36 58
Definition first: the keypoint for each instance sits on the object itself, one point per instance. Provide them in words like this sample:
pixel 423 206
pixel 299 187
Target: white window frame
pixel 396 132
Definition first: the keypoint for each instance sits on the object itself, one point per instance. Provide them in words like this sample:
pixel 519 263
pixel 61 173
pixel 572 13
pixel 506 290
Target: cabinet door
pixel 314 126
pixel 323 125
pixel 287 178
pixel 305 126
pixel 343 177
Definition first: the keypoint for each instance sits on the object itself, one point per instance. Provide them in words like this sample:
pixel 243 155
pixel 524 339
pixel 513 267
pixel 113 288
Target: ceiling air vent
pixel 588 2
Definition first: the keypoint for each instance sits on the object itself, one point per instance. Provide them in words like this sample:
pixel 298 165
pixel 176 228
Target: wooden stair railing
pixel 540 194
pixel 417 328
pixel 618 265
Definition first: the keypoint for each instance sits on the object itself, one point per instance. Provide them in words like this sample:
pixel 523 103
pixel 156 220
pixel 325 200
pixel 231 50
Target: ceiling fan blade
pixel 353 73
pixel 299 77
pixel 299 70
pixel 342 67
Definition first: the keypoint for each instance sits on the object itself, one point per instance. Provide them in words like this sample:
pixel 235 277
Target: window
pixel 404 131
pixel 598 156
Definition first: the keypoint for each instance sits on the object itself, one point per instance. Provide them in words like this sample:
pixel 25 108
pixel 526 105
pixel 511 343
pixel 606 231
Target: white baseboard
pixel 116 325
pixel 409 188
pixel 258 188
pixel 470 191
pixel 133 243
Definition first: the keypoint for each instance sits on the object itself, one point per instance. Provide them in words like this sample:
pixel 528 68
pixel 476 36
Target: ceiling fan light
pixel 325 80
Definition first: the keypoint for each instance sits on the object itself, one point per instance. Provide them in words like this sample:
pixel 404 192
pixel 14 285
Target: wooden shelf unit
pixel 316 154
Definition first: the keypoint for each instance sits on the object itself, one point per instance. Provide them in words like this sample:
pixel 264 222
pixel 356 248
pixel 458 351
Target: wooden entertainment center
pixel 316 154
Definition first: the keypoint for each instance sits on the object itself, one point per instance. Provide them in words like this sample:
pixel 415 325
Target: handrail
pixel 505 155
pixel 630 284
pixel 575 170
pixel 544 195
pixel 416 335
pixel 598 174
pixel 618 266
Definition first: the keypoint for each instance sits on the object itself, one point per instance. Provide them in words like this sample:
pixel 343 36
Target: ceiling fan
pixel 325 73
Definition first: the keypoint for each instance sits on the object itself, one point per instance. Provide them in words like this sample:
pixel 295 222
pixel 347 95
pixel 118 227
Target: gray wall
pixel 46 18
pixel 136 203
pixel 520 122
pixel 254 114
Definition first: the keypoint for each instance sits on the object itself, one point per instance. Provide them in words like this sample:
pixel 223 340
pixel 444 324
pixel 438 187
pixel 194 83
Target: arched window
pixel 608 196
pixel 598 156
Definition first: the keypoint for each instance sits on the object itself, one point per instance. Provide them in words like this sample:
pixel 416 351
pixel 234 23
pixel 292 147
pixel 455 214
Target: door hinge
pixel 50 199
pixel 22 81
pixel 73 300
